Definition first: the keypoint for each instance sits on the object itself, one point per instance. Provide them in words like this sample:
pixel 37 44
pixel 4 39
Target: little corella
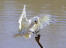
pixel 27 27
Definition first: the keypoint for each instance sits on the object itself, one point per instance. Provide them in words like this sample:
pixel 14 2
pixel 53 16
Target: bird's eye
pixel 35 21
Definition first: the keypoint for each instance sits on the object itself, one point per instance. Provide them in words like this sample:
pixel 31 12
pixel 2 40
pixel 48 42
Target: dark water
pixel 53 36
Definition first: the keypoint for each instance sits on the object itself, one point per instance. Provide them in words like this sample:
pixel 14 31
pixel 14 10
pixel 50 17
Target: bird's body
pixel 27 26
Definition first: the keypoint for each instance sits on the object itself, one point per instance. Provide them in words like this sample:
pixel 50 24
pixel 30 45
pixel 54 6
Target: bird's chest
pixel 34 28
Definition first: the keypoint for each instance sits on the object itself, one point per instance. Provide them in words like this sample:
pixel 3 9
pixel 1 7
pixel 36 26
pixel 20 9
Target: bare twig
pixel 38 40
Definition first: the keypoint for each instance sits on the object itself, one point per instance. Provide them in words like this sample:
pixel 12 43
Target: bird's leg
pixel 37 38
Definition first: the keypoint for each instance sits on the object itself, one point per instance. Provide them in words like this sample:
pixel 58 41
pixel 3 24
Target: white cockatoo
pixel 27 27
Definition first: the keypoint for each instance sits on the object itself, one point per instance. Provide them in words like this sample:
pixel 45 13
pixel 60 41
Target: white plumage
pixel 28 26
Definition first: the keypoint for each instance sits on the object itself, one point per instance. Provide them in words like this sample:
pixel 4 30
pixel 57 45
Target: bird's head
pixel 35 20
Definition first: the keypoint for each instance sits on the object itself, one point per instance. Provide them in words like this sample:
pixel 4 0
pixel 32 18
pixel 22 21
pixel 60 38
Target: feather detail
pixel 44 21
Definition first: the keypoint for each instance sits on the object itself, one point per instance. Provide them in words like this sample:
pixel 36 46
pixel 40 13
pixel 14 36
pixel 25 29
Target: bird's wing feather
pixel 23 15
pixel 45 20
pixel 23 19
pixel 27 35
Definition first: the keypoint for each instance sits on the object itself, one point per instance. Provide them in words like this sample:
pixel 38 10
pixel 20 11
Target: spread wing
pixel 45 20
pixel 23 20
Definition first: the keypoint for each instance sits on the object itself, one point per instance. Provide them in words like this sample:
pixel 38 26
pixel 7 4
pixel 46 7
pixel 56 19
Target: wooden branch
pixel 38 40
